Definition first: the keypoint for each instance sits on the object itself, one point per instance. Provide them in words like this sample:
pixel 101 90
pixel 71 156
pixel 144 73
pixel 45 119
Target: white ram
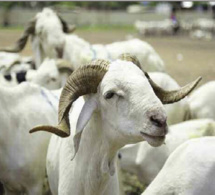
pixel 120 106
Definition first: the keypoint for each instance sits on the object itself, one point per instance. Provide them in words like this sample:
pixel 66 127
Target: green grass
pixel 126 28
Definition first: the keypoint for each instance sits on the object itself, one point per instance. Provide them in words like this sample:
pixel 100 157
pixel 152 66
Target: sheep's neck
pixel 98 161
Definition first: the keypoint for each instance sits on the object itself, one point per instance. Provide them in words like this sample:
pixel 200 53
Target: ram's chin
pixel 154 141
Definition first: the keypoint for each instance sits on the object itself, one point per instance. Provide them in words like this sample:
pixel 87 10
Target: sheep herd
pixel 75 114
pixel 201 28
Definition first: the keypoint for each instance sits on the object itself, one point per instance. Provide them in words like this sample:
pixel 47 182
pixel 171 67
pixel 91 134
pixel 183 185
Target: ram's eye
pixel 109 95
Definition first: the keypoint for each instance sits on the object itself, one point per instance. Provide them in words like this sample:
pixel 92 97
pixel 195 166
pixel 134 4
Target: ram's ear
pixel 89 107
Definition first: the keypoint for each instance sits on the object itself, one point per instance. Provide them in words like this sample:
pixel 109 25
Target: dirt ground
pixel 185 59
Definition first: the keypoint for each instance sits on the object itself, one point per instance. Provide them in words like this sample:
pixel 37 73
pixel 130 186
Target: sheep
pixel 22 165
pixel 7 58
pixel 188 170
pixel 164 27
pixel 119 107
pixel 14 63
pixel 202 28
pixel 176 113
pixel 146 161
pixel 50 40
pixel 200 34
pixel 53 23
pixel 204 24
pixel 201 102
pixel 22 64
pixel 52 74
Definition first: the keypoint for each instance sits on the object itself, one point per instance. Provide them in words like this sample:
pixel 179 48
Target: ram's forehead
pixel 124 65
pixel 124 74
pixel 124 70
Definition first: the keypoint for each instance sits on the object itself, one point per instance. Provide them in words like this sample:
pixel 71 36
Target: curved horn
pixel 20 44
pixel 131 58
pixel 82 81
pixel 64 66
pixel 168 97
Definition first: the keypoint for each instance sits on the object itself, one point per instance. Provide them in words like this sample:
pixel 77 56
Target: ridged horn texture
pixel 64 66
pixel 168 97
pixel 20 44
pixel 84 80
pixel 131 58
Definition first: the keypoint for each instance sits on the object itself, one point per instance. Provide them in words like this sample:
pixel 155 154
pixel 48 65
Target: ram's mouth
pixel 152 139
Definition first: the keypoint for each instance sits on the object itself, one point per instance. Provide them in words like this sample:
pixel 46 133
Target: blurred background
pixel 181 32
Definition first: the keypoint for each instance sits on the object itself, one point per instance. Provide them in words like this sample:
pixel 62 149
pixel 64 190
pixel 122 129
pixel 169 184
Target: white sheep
pixel 50 39
pixel 11 62
pixel 188 170
pixel 164 27
pixel 204 24
pixel 146 161
pixel 119 107
pixel 200 34
pixel 22 165
pixel 7 58
pixel 201 102
pixel 52 74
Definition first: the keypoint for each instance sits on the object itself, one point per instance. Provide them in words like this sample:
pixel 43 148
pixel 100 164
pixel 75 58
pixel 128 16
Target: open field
pixel 185 58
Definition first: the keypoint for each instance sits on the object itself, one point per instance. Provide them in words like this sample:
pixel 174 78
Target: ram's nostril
pixel 157 121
